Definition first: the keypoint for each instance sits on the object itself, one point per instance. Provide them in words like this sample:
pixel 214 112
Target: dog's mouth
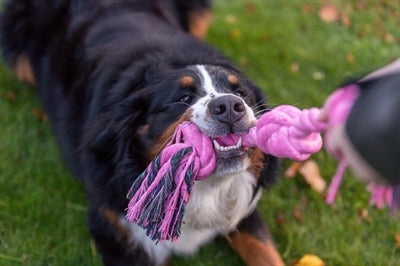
pixel 231 154
pixel 228 143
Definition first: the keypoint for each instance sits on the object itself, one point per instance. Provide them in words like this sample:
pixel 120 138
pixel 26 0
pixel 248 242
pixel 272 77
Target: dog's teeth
pixel 216 145
pixel 227 148
pixel 239 143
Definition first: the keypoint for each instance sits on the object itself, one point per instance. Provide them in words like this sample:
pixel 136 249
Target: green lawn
pixel 292 54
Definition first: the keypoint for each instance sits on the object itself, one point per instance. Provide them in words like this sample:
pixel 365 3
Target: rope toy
pixel 159 196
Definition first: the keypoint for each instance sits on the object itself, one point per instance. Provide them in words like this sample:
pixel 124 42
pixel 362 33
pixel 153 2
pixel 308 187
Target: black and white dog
pixel 115 76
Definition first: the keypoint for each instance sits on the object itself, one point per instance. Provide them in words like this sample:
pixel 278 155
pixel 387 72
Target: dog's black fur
pixel 103 69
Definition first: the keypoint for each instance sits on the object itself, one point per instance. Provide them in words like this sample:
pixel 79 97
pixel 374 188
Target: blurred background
pixel 298 52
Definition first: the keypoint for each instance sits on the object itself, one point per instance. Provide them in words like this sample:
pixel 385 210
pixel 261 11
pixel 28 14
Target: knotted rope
pixel 288 132
pixel 158 197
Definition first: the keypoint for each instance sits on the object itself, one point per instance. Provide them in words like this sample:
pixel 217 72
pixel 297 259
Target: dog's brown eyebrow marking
pixel 186 81
pixel 233 79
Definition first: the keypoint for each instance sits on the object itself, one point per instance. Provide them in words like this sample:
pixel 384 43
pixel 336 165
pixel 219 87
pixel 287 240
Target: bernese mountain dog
pixel 115 77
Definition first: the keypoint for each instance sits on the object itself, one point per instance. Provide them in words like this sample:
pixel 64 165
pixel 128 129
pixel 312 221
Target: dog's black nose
pixel 227 109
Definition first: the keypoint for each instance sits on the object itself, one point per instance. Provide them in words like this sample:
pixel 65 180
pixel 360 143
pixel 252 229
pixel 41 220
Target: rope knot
pixel 288 132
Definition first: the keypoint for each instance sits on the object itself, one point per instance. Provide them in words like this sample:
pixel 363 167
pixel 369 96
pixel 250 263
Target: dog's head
pixel 220 100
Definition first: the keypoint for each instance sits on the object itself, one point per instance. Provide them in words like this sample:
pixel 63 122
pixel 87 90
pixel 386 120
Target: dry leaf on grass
pixel 350 57
pixel 363 214
pixel 12 96
pixel 328 13
pixel 250 7
pixel 230 19
pixel 280 219
pixel 297 213
pixel 292 169
pixel 236 33
pixel 307 8
pixel 310 260
pixel 310 172
pixel 389 38
pixel 345 20
pixel 318 75
pixel 294 67
pixel 38 114
pixel 397 237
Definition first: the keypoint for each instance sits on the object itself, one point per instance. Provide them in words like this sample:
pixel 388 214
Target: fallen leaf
pixel 397 238
pixel 279 219
pixel 250 7
pixel 12 96
pixel 294 67
pixel 362 4
pixel 38 114
pixel 363 214
pixel 389 38
pixel 350 57
pixel 318 75
pixel 297 213
pixel 310 171
pixel 307 8
pixel 293 169
pixel 345 20
pixel 310 260
pixel 328 13
pixel 230 19
pixel 236 33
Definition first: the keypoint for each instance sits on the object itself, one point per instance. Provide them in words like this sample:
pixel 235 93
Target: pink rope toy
pixel 160 194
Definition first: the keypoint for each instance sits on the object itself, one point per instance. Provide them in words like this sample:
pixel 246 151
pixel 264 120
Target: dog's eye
pixel 239 93
pixel 186 98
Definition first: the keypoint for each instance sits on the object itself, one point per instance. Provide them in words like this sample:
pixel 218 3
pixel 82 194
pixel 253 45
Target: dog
pixel 115 78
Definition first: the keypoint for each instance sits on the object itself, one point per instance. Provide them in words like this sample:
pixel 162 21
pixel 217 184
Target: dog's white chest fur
pixel 216 206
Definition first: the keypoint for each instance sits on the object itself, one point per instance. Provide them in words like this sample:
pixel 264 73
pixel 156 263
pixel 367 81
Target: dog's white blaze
pixel 199 110
pixel 216 207
pixel 207 81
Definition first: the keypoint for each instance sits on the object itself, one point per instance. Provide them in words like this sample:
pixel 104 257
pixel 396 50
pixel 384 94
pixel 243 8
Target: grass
pixel 42 208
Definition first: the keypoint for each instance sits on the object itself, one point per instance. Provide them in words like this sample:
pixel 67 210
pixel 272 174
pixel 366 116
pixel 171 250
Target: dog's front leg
pixel 114 239
pixel 253 242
